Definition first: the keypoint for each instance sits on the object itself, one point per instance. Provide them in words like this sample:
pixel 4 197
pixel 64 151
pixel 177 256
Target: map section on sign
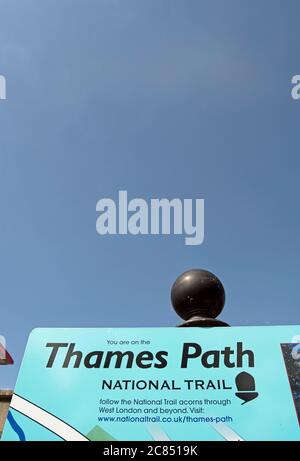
pixel 291 355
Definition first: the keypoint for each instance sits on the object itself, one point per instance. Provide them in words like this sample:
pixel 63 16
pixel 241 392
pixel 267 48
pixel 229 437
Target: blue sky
pixel 187 99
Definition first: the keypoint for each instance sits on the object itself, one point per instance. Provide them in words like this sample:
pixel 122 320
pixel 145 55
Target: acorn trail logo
pixel 245 384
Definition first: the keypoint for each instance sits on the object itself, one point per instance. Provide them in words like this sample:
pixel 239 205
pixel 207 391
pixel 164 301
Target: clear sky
pixel 187 99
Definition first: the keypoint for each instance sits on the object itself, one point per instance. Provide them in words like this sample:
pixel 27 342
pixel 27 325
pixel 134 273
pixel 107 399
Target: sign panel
pixel 238 383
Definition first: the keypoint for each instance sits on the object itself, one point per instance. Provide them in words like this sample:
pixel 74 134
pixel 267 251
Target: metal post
pixel 198 297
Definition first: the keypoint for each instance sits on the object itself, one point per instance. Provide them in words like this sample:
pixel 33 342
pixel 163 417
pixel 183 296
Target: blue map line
pixel 15 426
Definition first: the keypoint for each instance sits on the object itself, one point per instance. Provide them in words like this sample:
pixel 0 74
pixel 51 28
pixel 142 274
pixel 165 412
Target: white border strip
pixel 157 432
pixel 226 432
pixel 49 421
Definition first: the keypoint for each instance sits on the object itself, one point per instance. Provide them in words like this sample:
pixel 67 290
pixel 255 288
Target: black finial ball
pixel 197 293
